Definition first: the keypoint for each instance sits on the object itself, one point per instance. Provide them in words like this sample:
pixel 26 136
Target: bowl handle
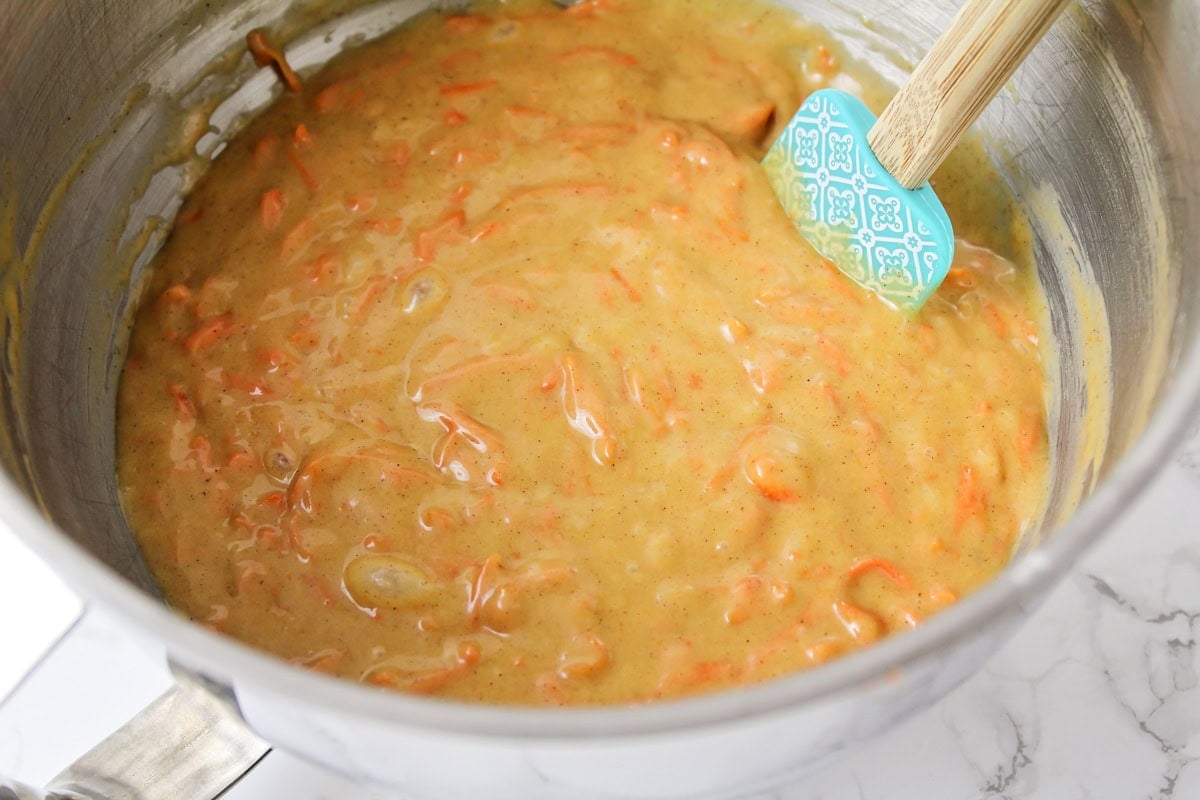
pixel 189 744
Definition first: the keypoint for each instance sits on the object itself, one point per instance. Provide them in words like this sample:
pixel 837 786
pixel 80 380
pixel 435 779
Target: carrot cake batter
pixel 489 366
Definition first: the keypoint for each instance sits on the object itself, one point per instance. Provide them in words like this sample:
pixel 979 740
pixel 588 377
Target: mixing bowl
pixel 109 107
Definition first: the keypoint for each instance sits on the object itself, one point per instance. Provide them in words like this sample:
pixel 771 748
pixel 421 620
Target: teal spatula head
pixel 894 241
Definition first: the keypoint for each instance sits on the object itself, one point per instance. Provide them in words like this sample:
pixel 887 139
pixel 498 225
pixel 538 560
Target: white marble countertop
pixel 1097 697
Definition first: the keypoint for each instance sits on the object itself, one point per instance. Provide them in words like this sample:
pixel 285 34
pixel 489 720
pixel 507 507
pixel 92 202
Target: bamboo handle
pixel 948 90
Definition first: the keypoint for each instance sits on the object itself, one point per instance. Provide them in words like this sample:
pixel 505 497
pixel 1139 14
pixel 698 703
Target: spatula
pixel 858 188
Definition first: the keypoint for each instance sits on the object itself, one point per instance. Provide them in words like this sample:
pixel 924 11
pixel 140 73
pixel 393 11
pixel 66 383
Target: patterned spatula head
pixel 894 241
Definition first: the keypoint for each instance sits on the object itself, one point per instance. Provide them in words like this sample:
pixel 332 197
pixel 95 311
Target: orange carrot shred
pixel 302 170
pixel 995 319
pixel 864 565
pixel 242 460
pixel 968 498
pixel 265 149
pixel 209 333
pixel 836 355
pixel 267 54
pixel 177 294
pixel 187 411
pixel 271 208
pixel 465 23
pixel 398 155
pixel 458 89
pixel 633 293
pixel 427 241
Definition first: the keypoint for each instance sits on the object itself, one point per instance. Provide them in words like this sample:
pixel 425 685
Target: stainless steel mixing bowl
pixel 1097 132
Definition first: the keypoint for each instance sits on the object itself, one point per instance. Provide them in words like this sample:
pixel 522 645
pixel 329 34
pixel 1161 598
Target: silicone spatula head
pixel 858 188
pixel 894 241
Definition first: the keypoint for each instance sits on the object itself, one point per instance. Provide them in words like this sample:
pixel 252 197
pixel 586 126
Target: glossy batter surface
pixel 489 366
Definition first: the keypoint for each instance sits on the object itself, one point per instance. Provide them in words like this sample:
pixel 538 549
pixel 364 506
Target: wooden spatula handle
pixel 956 79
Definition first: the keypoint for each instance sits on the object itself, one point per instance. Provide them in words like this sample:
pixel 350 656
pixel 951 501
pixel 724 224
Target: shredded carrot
pixel 183 403
pixel 941 597
pixel 960 277
pixel 319 588
pixel 210 333
pixel 241 460
pixel 720 478
pixel 826 62
pixel 267 54
pixel 275 360
pixel 551 380
pixel 822 651
pixel 327 99
pixel 487 230
pixel 864 565
pixel 306 175
pixel 265 149
pixel 465 23
pixel 269 537
pixel 374 289
pixel 969 497
pixel 526 111
pixel 1030 436
pixel 437 520
pixel 634 294
pixel 360 203
pixel 863 626
pixel 398 155
pixel 466 656
pixel 296 540
pixel 458 89
pixel 273 499
pixel 302 136
pixel 176 294
pixel 323 271
pixel 517 298
pixel 326 661
pixel 995 319
pixel 427 241
pixel 390 227
pixel 763 473
pixel 589 656
pixel 271 208
pixel 190 215
pixel 296 239
pixel 834 352
pixel 585 410
pixel 454 117
pixel 735 233
pixel 471 155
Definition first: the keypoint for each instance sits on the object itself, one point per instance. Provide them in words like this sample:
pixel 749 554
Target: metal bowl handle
pixel 189 744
